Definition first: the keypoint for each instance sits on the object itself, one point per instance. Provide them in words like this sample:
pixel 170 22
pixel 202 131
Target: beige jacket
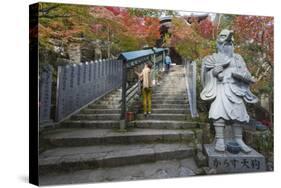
pixel 146 77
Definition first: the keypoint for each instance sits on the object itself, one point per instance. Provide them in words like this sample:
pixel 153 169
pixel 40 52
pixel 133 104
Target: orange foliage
pixel 257 30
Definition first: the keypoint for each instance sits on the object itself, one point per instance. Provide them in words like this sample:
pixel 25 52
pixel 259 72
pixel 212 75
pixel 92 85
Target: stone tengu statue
pixel 226 81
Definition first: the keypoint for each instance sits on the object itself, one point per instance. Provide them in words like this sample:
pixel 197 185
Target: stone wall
pixel 74 52
pixel 264 101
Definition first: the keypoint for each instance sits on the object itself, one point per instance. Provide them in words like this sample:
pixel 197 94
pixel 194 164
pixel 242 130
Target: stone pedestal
pixel 228 135
pixel 225 162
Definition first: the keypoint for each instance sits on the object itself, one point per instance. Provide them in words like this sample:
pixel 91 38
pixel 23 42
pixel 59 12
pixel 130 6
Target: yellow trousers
pixel 146 92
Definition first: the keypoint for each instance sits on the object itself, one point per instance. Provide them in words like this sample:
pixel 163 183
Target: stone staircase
pixel 169 104
pixel 161 144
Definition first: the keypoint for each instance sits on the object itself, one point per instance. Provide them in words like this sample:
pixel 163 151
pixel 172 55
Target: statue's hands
pixel 253 79
pixel 245 77
pixel 217 70
pixel 250 78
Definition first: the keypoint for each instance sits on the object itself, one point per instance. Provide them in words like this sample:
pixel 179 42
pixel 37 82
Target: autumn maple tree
pixel 59 23
pixel 119 29
pixel 254 38
pixel 130 32
pixel 192 41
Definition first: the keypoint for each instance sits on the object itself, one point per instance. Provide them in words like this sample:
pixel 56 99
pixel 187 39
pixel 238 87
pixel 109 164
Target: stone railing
pixel 77 85
pixel 45 94
pixel 190 75
pixel 80 84
pixel 135 60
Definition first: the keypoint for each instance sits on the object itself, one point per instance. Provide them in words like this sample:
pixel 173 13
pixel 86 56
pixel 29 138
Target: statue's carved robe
pixel 229 93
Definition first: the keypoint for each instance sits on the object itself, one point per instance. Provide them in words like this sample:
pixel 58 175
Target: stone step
pixel 108 102
pixel 86 137
pixel 173 76
pixel 118 91
pixel 100 111
pixel 169 91
pixel 163 98
pixel 103 106
pixel 96 124
pixel 152 170
pixel 91 157
pixel 172 93
pixel 178 83
pixel 115 124
pixel 179 78
pixel 174 82
pixel 165 101
pixel 174 73
pixel 112 97
pixel 155 101
pixel 170 116
pixel 172 111
pixel 170 78
pixel 168 97
pixel 163 124
pixel 167 88
pixel 172 106
pixel 96 117
pixel 163 90
pixel 172 87
pixel 171 84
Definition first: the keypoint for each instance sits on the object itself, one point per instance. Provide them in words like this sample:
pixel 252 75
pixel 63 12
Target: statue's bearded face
pixel 225 42
pixel 228 49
